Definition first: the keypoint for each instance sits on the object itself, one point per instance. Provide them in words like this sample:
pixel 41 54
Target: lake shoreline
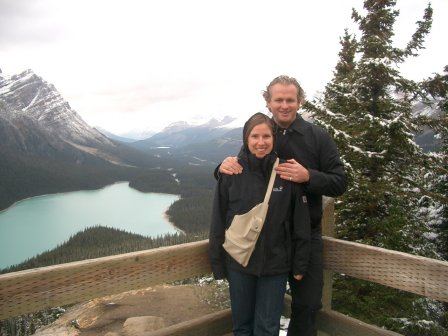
pixel 55 217
pixel 167 218
pixel 76 190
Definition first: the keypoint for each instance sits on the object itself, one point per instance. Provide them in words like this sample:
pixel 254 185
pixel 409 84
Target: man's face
pixel 283 104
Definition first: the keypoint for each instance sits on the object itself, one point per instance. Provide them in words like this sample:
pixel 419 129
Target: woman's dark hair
pixel 257 119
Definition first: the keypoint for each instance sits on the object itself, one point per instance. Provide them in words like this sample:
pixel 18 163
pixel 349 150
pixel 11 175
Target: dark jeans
pixel 256 303
pixel 307 295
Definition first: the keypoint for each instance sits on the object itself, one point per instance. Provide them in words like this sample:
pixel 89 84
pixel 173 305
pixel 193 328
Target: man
pixel 312 159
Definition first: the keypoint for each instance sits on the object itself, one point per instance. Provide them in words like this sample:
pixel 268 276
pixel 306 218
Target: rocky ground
pixel 145 309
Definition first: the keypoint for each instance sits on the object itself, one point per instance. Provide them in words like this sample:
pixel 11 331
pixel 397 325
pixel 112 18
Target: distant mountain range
pixel 211 141
pixel 47 147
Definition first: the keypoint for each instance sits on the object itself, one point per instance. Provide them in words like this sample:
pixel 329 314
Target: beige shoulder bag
pixel 241 237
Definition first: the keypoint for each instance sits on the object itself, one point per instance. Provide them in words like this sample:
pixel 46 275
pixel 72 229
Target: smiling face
pixel 283 104
pixel 260 140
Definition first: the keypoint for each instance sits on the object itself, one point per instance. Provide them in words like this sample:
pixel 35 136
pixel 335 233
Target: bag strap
pixel 271 182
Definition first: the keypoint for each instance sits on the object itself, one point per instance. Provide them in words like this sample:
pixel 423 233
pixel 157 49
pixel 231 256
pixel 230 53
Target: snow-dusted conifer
pixel 367 107
pixel 391 202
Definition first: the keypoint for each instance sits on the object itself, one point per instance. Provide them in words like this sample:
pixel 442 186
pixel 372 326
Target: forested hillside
pixel 195 185
pixel 101 241
pixel 24 177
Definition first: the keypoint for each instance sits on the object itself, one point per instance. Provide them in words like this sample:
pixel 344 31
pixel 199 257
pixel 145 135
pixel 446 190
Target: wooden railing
pixel 37 289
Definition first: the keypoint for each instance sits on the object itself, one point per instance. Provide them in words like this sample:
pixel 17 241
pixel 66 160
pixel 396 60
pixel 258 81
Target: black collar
pixel 299 125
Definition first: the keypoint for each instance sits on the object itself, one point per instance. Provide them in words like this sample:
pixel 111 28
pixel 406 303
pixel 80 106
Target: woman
pixel 257 290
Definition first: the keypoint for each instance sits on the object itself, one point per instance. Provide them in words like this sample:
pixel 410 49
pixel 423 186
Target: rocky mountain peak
pixel 176 127
pixel 30 104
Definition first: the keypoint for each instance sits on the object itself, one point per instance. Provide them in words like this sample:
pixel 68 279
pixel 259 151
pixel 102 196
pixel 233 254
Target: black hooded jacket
pixel 284 242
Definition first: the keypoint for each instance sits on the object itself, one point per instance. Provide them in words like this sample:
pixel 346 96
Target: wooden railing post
pixel 327 230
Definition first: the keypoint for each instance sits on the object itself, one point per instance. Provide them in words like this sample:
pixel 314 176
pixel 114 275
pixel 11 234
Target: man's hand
pixel 293 171
pixel 230 166
pixel 298 277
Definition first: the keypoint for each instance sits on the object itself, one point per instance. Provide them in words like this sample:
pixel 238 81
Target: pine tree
pixel 368 108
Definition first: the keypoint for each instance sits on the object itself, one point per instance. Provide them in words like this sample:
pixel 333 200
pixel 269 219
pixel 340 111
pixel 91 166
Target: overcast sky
pixel 130 64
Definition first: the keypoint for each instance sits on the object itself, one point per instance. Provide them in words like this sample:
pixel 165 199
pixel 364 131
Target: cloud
pixel 123 64
pixel 24 24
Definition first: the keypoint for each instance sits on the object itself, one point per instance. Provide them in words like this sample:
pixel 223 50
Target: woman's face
pixel 260 140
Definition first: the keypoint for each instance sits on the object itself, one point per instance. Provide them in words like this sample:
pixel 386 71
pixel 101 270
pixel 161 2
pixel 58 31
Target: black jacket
pixel 284 242
pixel 313 148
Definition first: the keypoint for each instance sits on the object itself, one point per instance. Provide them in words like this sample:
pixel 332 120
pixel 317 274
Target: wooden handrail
pixel 37 289
pixel 418 275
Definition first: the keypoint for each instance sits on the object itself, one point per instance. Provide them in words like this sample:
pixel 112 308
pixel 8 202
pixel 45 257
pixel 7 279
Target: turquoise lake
pixel 38 224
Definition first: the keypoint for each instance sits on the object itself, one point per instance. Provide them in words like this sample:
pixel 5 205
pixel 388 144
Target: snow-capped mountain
pixel 181 134
pixel 208 142
pixel 34 116
pixel 36 121
pixel 178 126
